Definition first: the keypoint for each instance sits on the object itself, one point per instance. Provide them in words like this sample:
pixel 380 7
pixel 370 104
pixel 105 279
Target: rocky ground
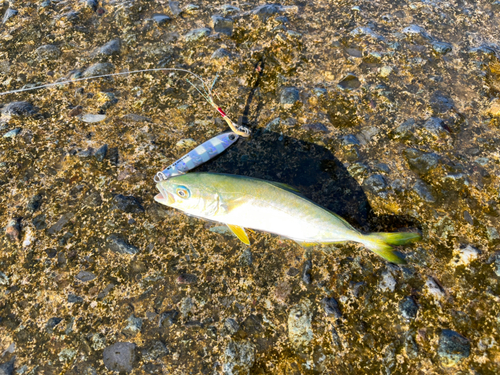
pixel 385 112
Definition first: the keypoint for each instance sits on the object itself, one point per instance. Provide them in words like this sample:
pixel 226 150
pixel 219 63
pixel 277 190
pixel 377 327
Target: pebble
pixel 65 219
pixel 160 19
pixel 387 282
pixel 267 10
pixel 72 298
pixel 496 263
pixel 99 69
pixel 331 307
pixel 92 118
pixel 350 140
pixel 494 108
pixel 118 245
pixel 168 318
pixel 48 52
pixel 92 4
pixel 229 9
pixel 424 191
pixel 492 234
pixel 4 279
pixel 128 204
pixel 306 272
pixel 12 133
pixel 120 357
pixel 465 254
pixel 9 13
pixel 197 34
pixel 442 48
pixel 246 258
pixel 408 308
pixel 349 82
pixel 85 276
pixel 20 109
pixel 366 31
pixel 52 323
pixel 289 97
pixel 39 222
pixel 274 125
pixel 134 326
pixel 222 25
pixel 13 230
pixel 434 288
pixel 316 127
pixel 186 279
pixel 136 118
pixel 413 30
pixel 187 306
pixel 174 8
pixel 385 71
pixel 220 53
pixel 101 152
pixel 452 347
pixel 436 127
pixel 7 368
pixel 110 48
pixel 238 358
pixel 154 351
pixel 231 326
pixel 421 162
pixel 375 183
pixel 300 324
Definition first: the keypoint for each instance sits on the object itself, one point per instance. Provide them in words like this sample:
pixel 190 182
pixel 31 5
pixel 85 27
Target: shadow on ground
pixel 312 169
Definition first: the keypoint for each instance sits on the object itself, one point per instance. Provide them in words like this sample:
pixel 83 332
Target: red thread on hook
pixel 221 112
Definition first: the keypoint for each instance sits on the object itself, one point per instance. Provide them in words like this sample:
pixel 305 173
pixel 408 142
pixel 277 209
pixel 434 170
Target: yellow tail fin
pixel 380 244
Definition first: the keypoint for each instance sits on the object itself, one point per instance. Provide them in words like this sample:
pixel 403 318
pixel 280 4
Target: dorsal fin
pixel 284 186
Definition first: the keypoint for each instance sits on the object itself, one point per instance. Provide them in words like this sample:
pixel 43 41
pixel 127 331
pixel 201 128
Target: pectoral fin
pixel 240 233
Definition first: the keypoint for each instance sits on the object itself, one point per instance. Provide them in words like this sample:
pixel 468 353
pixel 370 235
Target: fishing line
pixel 195 157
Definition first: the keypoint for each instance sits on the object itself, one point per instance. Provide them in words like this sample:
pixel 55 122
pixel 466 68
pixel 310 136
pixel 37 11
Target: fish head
pixel 185 193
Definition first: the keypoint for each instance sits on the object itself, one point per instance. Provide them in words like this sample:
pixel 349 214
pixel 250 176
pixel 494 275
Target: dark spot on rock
pixel 292 272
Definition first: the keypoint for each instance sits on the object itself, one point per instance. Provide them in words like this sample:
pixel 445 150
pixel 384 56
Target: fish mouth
pixel 164 197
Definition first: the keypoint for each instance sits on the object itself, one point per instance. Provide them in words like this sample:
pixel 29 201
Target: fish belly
pixel 294 219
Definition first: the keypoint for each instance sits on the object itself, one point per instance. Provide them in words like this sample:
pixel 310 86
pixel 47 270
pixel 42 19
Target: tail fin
pixel 380 244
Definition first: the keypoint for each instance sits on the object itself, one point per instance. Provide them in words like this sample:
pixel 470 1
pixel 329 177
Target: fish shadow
pixel 313 170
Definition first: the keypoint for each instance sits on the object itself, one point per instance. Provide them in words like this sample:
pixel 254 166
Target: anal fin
pixel 240 233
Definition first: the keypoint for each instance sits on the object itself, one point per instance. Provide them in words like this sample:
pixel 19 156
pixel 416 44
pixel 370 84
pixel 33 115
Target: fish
pixel 243 202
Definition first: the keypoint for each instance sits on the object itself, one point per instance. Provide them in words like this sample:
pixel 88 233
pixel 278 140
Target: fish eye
pixel 182 192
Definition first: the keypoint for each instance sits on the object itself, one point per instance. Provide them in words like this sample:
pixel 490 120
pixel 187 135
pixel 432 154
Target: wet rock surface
pixel 385 113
